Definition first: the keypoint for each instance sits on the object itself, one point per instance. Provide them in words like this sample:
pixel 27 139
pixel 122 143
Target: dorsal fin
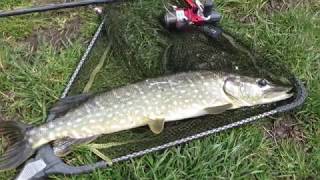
pixel 67 103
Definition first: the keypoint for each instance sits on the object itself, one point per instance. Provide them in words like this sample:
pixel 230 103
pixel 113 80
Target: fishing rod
pixel 51 7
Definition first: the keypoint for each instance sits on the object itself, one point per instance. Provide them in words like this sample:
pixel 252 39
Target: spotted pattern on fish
pixel 170 98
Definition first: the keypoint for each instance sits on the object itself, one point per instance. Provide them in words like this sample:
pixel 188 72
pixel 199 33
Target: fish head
pixel 248 91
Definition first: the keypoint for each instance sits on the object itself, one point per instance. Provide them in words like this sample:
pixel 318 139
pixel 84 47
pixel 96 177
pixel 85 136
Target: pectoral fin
pixel 156 125
pixel 218 109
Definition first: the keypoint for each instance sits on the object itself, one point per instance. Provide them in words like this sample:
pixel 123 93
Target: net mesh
pixel 134 46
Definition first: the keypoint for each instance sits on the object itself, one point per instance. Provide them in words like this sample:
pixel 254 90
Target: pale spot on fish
pixel 100 128
pixel 189 80
pixel 32 132
pixel 158 96
pixel 79 120
pixel 77 136
pixel 88 108
pixel 59 128
pixel 51 125
pixel 130 103
pixel 98 104
pixel 87 130
pixel 195 105
pixel 115 94
pixel 199 75
pixel 51 136
pixel 100 114
pixel 64 133
pixel 110 115
pixel 115 126
pixel 183 91
pixel 92 121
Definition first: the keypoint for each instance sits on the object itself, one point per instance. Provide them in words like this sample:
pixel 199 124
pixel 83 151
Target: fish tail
pixel 19 149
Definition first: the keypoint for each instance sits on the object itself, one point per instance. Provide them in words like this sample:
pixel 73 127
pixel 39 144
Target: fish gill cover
pixel 134 46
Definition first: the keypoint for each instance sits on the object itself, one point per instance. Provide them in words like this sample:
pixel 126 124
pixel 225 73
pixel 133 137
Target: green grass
pixel 32 81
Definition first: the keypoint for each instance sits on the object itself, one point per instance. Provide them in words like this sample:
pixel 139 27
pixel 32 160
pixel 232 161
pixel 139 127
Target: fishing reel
pixel 197 13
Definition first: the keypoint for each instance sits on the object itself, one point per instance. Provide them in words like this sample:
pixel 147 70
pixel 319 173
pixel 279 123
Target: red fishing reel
pixel 196 13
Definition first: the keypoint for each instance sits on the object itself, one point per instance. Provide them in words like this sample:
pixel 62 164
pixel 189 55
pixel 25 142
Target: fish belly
pixel 186 113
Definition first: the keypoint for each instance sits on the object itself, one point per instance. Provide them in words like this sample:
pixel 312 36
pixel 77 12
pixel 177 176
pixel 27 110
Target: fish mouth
pixel 278 93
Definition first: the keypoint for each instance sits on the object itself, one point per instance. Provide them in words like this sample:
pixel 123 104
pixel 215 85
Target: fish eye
pixel 262 82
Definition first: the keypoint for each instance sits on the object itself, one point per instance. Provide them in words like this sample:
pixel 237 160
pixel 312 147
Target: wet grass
pixel 31 81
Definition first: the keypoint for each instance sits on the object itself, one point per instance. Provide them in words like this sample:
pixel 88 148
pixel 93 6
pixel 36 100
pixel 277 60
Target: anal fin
pixel 63 147
pixel 156 125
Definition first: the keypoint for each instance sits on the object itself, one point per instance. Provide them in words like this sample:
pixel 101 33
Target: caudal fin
pixel 19 149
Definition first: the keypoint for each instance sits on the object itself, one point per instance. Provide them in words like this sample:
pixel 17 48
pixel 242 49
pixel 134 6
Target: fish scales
pixel 151 102
pixel 178 97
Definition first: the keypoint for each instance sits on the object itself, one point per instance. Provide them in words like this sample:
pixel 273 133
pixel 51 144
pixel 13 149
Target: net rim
pixel 301 96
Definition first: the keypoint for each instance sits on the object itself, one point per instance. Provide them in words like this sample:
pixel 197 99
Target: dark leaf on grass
pixel 286 127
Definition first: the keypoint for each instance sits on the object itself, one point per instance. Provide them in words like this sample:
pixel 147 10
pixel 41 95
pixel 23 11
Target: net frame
pixel 298 100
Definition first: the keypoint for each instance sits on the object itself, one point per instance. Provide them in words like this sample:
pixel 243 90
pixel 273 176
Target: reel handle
pixel 208 6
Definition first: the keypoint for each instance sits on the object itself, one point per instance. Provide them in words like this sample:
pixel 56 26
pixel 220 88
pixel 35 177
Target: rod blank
pixel 51 7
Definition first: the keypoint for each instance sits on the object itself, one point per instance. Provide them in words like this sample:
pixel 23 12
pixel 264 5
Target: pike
pixel 151 102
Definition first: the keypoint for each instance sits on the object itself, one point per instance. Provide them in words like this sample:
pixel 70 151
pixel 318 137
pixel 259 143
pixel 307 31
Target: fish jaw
pixel 248 91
